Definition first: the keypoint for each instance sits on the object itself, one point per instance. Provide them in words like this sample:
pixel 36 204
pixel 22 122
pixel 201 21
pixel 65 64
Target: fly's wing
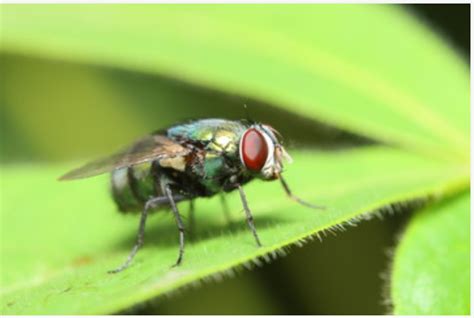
pixel 153 147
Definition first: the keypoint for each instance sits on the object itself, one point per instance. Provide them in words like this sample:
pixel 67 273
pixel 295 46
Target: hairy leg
pixel 248 214
pixel 179 223
pixel 141 232
pixel 295 198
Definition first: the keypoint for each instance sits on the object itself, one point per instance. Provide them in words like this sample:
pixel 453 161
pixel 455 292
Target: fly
pixel 196 159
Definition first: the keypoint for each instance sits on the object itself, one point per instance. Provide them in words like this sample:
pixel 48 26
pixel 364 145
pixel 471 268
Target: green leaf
pixel 431 271
pixel 59 239
pixel 117 105
pixel 370 69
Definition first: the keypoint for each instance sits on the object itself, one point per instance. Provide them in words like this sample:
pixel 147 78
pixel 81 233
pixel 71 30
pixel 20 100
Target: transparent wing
pixel 147 149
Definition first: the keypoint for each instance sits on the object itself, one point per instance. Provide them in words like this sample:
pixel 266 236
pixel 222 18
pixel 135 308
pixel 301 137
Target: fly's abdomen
pixel 133 186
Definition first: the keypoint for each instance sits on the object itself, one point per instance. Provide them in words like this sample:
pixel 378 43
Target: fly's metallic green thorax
pixel 218 134
pixel 219 158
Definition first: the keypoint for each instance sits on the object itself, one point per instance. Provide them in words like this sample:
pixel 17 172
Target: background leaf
pixel 358 77
pixel 80 102
pixel 53 271
pixel 431 271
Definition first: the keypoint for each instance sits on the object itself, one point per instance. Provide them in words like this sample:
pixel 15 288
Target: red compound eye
pixel 254 149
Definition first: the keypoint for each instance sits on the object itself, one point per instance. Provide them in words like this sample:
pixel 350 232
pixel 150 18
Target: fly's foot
pixel 119 269
pixel 178 262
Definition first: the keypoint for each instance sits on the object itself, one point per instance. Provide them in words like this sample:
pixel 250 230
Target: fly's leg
pixel 141 232
pixel 295 198
pixel 179 223
pixel 192 219
pixel 225 208
pixel 248 214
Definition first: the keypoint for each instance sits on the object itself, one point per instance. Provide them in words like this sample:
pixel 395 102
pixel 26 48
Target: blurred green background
pixel 56 111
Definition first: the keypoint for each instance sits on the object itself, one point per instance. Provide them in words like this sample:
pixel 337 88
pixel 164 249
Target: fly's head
pixel 261 152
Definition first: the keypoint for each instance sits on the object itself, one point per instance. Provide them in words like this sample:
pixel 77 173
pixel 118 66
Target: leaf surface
pixel 78 235
pixel 431 271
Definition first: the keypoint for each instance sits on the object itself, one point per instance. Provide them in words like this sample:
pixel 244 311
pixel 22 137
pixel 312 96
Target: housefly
pixel 196 159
